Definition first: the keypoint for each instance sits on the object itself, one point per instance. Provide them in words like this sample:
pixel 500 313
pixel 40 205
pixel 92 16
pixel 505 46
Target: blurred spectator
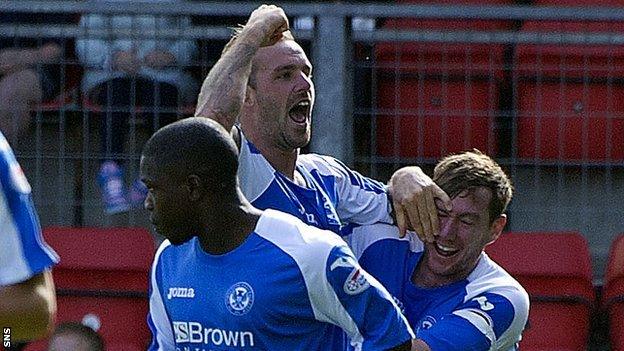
pixel 122 73
pixel 73 336
pixel 29 71
pixel 27 297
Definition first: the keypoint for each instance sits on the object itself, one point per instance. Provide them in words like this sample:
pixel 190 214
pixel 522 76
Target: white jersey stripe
pixel 158 314
pixel 360 240
pixel 254 171
pixel 481 321
pixel 305 249
pixel 13 266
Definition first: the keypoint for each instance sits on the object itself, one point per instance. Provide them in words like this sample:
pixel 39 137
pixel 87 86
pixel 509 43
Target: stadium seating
pixel 68 97
pixel 71 73
pixel 569 98
pixel 185 111
pixel 613 293
pixel 102 279
pixel 436 98
pixel 555 270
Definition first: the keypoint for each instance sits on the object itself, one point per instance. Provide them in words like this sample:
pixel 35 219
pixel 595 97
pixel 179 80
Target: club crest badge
pixel 356 282
pixel 239 298
pixel 427 323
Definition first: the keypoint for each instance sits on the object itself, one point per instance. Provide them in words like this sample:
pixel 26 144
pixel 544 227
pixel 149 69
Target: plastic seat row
pixel 613 294
pixel 436 98
pixel 102 281
pixel 70 96
pixel 555 269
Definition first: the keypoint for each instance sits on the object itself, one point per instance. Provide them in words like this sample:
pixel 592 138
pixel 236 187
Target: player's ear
pixel 496 228
pixel 193 187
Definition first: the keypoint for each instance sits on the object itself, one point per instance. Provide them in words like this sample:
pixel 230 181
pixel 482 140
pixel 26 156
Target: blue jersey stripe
pixel 34 253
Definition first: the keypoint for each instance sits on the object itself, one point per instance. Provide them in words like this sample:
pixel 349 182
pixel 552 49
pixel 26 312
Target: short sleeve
pixel 478 324
pixel 369 315
pixel 23 252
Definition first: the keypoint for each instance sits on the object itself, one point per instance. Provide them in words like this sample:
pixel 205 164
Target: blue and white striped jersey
pixel 286 287
pixel 486 311
pixel 333 194
pixel 23 253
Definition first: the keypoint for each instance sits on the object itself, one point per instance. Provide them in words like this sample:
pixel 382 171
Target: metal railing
pixel 553 193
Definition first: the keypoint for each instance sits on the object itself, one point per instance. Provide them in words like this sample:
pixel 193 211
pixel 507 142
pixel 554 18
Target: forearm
pixel 412 345
pixel 12 60
pixel 29 308
pixel 223 91
pixel 419 345
pixel 29 57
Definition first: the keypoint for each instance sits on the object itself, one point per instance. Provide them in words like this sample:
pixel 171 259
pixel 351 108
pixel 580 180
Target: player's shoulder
pixel 312 158
pixel 322 163
pixel 164 246
pixel 294 236
pixel 168 255
pixel 362 237
pixel 489 277
pixel 255 173
pixel 12 177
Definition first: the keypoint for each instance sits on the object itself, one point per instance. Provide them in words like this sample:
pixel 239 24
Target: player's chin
pixel 298 139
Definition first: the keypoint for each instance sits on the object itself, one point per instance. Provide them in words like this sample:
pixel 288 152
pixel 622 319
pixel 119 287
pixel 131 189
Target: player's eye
pixel 285 75
pixel 467 221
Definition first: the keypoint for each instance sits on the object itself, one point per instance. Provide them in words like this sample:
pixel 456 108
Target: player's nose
pixel 446 228
pixel 304 82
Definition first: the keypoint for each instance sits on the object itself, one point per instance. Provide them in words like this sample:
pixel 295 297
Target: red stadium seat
pixel 103 277
pixel 440 117
pixel 570 121
pixel 555 269
pixel 613 294
pixel 458 59
pixel 437 98
pixel 115 259
pixel 569 107
pixel 121 318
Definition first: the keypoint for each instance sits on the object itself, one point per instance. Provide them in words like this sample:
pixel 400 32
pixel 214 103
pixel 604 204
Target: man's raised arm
pixel 223 91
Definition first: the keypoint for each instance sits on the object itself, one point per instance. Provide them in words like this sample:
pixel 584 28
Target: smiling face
pixel 281 95
pixel 464 233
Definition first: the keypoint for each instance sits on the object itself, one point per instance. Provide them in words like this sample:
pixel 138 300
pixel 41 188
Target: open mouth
pixel 446 251
pixel 300 111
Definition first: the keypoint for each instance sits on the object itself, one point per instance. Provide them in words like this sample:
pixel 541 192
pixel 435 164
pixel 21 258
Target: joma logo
pixel 187 293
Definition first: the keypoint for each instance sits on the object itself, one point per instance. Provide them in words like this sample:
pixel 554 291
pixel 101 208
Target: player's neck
pixel 283 161
pixel 227 226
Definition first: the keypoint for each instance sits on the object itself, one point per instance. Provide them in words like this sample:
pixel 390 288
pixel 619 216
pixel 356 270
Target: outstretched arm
pixel 223 91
